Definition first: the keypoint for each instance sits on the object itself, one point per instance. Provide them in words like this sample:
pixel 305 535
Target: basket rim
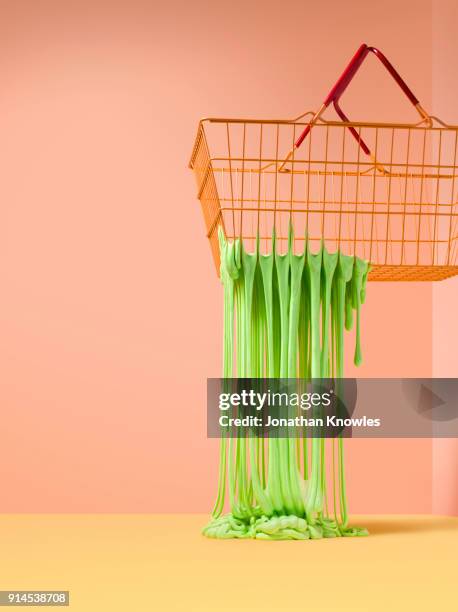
pixel 442 127
pixel 325 122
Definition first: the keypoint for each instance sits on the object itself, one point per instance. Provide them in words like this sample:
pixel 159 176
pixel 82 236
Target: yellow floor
pixel 137 563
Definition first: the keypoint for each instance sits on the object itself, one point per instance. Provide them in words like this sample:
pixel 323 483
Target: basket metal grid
pixel 386 192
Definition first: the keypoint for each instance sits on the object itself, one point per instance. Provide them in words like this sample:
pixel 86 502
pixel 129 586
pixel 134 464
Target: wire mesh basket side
pixel 397 209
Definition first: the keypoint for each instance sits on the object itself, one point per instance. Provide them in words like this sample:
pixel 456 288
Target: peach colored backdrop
pixel 445 295
pixel 110 316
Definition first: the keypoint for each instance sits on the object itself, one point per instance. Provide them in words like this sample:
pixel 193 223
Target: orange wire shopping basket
pixel 385 192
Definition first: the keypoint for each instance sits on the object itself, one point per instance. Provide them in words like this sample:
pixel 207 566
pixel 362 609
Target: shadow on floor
pixel 381 526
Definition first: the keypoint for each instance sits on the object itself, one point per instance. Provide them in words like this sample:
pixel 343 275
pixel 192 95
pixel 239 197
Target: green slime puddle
pixel 284 317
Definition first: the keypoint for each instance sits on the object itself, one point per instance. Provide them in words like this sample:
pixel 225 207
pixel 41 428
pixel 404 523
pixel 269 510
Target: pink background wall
pixel 110 316
pixel 445 295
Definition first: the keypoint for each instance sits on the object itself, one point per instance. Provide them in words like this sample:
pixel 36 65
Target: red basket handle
pixel 342 84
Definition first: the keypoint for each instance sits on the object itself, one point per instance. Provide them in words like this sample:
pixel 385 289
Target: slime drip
pixel 284 316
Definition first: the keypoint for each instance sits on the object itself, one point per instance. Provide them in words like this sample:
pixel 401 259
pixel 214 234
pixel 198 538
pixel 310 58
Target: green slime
pixel 284 317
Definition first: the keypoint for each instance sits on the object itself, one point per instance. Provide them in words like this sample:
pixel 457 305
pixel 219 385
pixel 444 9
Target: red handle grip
pixel 353 67
pixel 345 79
pixel 347 75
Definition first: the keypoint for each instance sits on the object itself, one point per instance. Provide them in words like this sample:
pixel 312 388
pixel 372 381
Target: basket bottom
pixel 380 272
pixel 411 273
